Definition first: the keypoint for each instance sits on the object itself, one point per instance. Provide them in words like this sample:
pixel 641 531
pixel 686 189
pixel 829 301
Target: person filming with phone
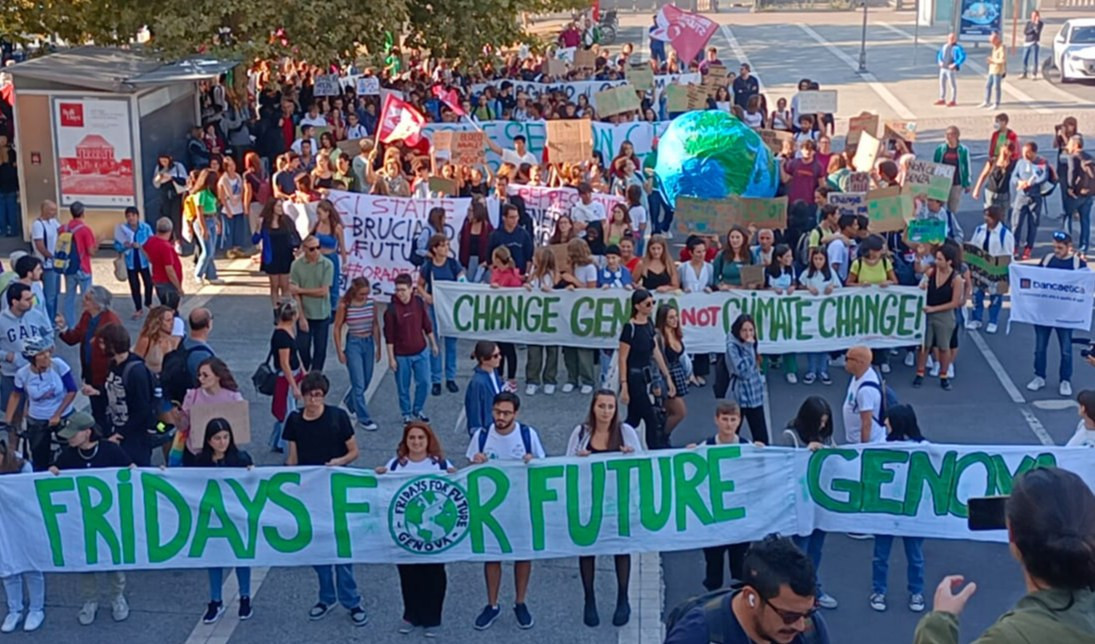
pixel 1050 519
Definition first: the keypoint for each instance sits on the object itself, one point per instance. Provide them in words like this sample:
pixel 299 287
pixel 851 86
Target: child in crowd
pixel 1085 429
pixel 819 279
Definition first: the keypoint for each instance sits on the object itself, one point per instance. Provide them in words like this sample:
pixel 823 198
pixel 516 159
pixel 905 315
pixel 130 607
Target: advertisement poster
pixel 94 152
pixel 979 18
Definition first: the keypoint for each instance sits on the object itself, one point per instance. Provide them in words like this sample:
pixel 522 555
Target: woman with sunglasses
pixel 643 370
pixel 216 385
pixel 484 386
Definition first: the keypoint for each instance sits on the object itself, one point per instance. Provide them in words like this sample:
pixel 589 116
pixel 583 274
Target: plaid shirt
pixel 746 383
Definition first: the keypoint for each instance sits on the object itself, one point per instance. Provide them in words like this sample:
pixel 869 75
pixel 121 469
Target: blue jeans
pixel 1081 205
pixel 9 212
pixel 812 544
pixel 948 76
pixel 216 583
pixel 237 231
pixel 419 366
pixel 880 565
pixel 817 364
pixel 1041 343
pixel 448 347
pixel 359 361
pixel 994 80
pixel 51 285
pixel 996 302
pixel 207 250
pixel 1031 49
pixel 346 586
pixel 77 282
pixel 312 344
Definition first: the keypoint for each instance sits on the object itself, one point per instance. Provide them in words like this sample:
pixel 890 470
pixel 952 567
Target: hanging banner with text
pixel 1053 297
pixel 799 322
pixel 97 520
pixel 544 205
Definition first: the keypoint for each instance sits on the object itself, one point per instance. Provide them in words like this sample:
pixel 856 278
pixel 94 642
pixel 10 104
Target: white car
pixel 1074 49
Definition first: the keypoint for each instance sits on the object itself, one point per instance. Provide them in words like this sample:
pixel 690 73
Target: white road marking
pixel 872 81
pixel 739 53
pixel 1036 426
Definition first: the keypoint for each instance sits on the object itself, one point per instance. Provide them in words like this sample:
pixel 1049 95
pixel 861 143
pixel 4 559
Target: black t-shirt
pixel 104 454
pixel 239 458
pixel 283 340
pixel 320 440
pixel 641 339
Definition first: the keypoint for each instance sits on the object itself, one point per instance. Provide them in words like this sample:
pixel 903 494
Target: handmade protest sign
pixel 616 100
pixel 607 137
pixel 1052 297
pixel 859 182
pixel 926 231
pixel 931 180
pixel 676 98
pixel 889 209
pixel 849 203
pixel 799 322
pixel 368 86
pixel 544 205
pixel 463 148
pixel 774 139
pixel 857 125
pixel 716 76
pixel 989 272
pixel 640 77
pixel 752 276
pixel 697 97
pixel 905 130
pixel 817 101
pixel 100 520
pixel 562 259
pixel 569 140
pixel 584 58
pixel 501 133
pixel 350 147
pixel 717 216
pixel 441 185
pixel 556 67
pixel 866 152
pixel 327 85
pixel 760 212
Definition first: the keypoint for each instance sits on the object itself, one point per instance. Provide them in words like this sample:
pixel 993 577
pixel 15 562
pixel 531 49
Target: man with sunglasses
pixel 1063 258
pixel 775 602
pixel 310 279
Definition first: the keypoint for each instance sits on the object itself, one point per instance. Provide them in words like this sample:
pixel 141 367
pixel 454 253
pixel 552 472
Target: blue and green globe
pixel 711 155
pixel 430 516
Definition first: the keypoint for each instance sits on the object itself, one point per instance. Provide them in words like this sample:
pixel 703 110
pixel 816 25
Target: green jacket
pixel 963 162
pixel 1039 618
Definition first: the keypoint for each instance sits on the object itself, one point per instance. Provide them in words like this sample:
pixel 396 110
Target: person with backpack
pixel 505 440
pixel 1081 189
pixel 422 585
pixel 873 268
pixel 775 602
pixel 409 335
pixel 132 403
pixel 94 362
pixel 76 243
pixel 945 294
pixel 485 384
pixel 1026 193
pixel 994 238
pixel 865 402
pixel 48 388
pixel 1062 258
pixel 420 247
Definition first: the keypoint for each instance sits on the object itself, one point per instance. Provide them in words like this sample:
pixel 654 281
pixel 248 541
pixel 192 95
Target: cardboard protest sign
pixel 238 415
pixel 926 231
pixel 849 203
pixel 760 212
pixel 368 86
pixel 350 147
pixel 817 101
pixel 462 148
pixel 676 98
pixel 888 209
pixel 585 58
pixel 716 216
pixel 616 100
pixel 327 85
pixel 774 139
pixel 989 272
pixel 932 180
pixel 562 259
pixel 697 97
pixel 859 182
pixel 442 186
pixel 640 76
pixel 905 130
pixel 716 76
pixel 866 152
pixel 752 276
pixel 569 140
pixel 555 67
pixel 865 122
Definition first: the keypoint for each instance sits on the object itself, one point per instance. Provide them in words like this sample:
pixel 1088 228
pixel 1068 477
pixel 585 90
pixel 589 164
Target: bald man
pixel 43 234
pixel 862 409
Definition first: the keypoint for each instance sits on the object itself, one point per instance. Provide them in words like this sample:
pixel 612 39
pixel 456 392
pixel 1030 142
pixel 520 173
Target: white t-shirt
pixel 178 327
pixel 315 121
pixel 838 258
pixel 638 218
pixel 506 447
pixel 46 231
pixel 44 390
pixel 511 157
pixel 425 466
pixel 691 282
pixel 588 213
pixel 586 274
pixel 860 399
pixel 1083 437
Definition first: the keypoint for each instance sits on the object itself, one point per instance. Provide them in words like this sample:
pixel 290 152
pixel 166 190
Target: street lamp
pixel 863 43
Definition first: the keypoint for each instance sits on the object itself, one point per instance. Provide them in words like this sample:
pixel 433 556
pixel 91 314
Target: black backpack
pixel 175 377
pixel 1086 185
pixel 716 611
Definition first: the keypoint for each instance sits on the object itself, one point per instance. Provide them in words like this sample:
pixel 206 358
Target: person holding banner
pixel 873 269
pixel 423 585
pixel 656 271
pixel 440 267
pixel 11 462
pixel 1062 258
pixel 582 274
pixel 604 432
pixel 542 365
pixel 643 371
pixel 746 381
pixel 475 241
pixel 994 238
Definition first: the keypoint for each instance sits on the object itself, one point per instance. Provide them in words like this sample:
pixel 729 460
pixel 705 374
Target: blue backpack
pixel 889 398
pixel 526 438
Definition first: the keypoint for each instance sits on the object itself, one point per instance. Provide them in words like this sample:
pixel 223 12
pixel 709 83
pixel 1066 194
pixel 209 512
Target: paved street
pixel 989 403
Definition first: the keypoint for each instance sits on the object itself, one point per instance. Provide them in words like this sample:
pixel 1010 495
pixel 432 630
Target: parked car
pixel 1074 50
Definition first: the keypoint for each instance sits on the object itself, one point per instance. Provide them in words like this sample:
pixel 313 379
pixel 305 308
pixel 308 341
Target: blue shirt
pixel 618 278
pixel 692 628
pixel 1073 262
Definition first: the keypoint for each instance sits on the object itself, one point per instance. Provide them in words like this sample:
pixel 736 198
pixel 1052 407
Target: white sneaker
pixel 792 379
pixel 1065 388
pixel 973 325
pixel 991 328
pixel 11 622
pixel 87 613
pixel 530 390
pixel 587 389
pixel 983 104
pixel 1036 384
pixel 567 388
pixel 886 367
pixel 950 370
pixel 549 389
pixel 34 620
pixel 119 609
pixel 910 359
pixel 935 370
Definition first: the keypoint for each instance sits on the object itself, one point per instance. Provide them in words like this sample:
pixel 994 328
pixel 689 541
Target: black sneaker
pixel 524 618
pixel 436 389
pixel 623 613
pixel 918 380
pixel 422 417
pixel 589 614
pixel 213 612
pixel 319 611
pixel 945 383
pixel 452 386
pixel 245 608
pixel 487 617
pixel 358 616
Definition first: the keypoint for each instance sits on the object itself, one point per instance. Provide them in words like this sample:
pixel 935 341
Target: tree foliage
pixel 318 32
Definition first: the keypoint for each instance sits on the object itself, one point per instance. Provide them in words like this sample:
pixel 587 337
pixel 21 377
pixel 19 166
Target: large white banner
pixel 94 145
pixel 545 205
pixel 380 233
pixel 557 507
pixel 1051 296
pixel 799 322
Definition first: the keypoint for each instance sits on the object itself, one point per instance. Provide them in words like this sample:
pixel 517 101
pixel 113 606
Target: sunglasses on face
pixel 311 248
pixel 789 617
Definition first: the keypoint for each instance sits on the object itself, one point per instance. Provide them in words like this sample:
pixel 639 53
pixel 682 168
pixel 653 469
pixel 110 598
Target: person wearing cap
pixel 85 243
pixel 48 387
pixel 85 451
pixel 1062 258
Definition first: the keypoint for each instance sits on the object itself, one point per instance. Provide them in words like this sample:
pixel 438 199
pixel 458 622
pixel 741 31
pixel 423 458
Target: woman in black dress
pixel 643 370
pixel 280 239
pixel 670 340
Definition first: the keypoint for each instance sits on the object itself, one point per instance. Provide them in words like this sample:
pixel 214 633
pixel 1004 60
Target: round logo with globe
pixel 429 515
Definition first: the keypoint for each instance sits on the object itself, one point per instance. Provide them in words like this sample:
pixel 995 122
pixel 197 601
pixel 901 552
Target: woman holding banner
pixel 439 267
pixel 656 271
pixel 643 371
pixel 603 432
pixel 582 274
pixel 994 238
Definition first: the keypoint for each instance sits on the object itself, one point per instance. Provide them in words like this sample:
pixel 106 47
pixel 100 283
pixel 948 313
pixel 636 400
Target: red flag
pixel 399 120
pixel 687 32
pixel 7 94
pixel 450 98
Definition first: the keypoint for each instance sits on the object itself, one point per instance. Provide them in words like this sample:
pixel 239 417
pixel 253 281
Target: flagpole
pixel 473 123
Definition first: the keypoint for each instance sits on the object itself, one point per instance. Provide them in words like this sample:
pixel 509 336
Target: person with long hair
pixel 257 190
pixel 564 230
pixel 618 225
pixel 155 339
pixel 328 230
pixel 485 384
pixel 735 254
pixel 542 363
pixel 422 585
pixel 780 276
pixel 216 385
pixel 234 218
pixel 361 349
pixel 129 238
pixel 207 226
pixel 280 240
pixel 285 359
pixel 819 279
pixel 657 272
pixel 643 371
pixel 440 267
pixel 945 294
pixel 475 241
pixel 671 341
pixel 604 432
pixel 582 275
pixel 12 462
pixel 746 380
pixel 218 449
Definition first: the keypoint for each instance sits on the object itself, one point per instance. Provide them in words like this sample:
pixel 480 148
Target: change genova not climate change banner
pixel 593 318
pixel 557 507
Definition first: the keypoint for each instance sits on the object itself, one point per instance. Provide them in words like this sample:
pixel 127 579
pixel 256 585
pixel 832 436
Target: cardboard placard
pixel 569 141
pixel 462 148
pixel 555 67
pixel 926 231
pixel 774 139
pixel 562 259
pixel 641 77
pixel 849 203
pixel 931 180
pixel 716 76
pixel 350 147
pixel 444 186
pixel 752 276
pixel 889 209
pixel 237 413
pixel 676 98
pixel 327 85
pixel 820 101
pixel 905 130
pixel 717 216
pixel 585 58
pixel 866 152
pixel 859 182
pixel 697 97
pixel 989 272
pixel 617 100
pixel 761 213
pixel 368 86
pixel 865 122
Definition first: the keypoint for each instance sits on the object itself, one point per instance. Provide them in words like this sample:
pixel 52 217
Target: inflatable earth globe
pixel 710 155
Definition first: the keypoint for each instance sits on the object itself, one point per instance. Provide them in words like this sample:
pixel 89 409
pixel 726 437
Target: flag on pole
pixel 687 32
pixel 449 97
pixel 399 120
